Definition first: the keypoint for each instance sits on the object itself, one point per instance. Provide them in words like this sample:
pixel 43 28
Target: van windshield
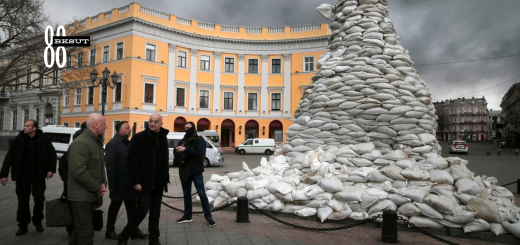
pixel 248 142
pixel 213 138
pixel 58 137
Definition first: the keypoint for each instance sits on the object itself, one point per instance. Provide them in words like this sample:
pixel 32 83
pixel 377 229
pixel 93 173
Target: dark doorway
pixel 227 133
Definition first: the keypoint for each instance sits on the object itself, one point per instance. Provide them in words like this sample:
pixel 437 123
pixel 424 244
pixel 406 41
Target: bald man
pixel 87 179
pixel 147 164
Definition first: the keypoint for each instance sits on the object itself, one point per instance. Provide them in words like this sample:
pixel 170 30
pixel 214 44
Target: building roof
pixel 463 99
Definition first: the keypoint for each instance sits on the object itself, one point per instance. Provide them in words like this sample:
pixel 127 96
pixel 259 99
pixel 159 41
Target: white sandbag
pixel 404 164
pixel 299 195
pixel 240 192
pixel 463 197
pixel 231 186
pixel 476 225
pixel 359 216
pixel 362 171
pixel 256 184
pixel 439 162
pixel 441 203
pixel 368 200
pixel 441 177
pixel 460 215
pixel 428 211
pixel 212 193
pixel 218 201
pixel 306 212
pixel 233 175
pixel 427 138
pixel 416 194
pixel 398 199
pixel 342 214
pixel 313 190
pixel 259 203
pixel 409 209
pixel 393 172
pixel 258 193
pixel 382 206
pixel 415 173
pixel 421 221
pixel 245 174
pixel 218 178
pixel 350 193
pixel 290 209
pixel 396 155
pixel 459 171
pixel 378 176
pixel 499 191
pixel 269 198
pixel 265 170
pixel 497 229
pixel 331 185
pixel 280 187
pixel 276 206
pixel 324 212
pixel 336 205
pixel 485 209
pixel 467 186
pixel 423 149
pixel 361 162
pixel 363 148
pixel 513 228
pixel 448 224
pixel 210 185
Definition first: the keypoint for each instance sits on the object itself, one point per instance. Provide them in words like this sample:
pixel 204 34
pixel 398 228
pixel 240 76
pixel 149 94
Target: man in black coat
pixel 31 159
pixel 118 182
pixel 194 149
pixel 147 165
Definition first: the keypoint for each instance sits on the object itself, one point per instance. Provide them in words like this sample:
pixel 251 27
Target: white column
pixel 264 93
pixel 287 84
pixel 241 82
pixel 193 81
pixel 170 100
pixel 216 83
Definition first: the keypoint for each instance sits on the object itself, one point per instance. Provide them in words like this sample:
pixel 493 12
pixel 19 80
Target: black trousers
pixel 147 200
pixel 113 210
pixel 25 185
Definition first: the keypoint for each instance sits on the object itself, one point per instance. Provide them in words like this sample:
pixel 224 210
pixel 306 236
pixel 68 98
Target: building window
pixel 28 78
pixel 309 64
pixel 78 97
pixel 204 99
pixel 90 95
pixel 66 98
pixel 1 120
pixel 229 65
pixel 180 97
pixel 148 93
pixel 204 62
pixel 76 125
pixel 252 101
pixel 15 120
pixel 114 132
pixel 92 60
pixel 66 124
pixel 150 52
pixel 118 92
pixel 253 66
pixel 80 59
pixel 119 51
pixel 228 101
pixel 276 101
pixel 276 66
pixel 181 59
pixel 26 115
pixel 106 53
pixel 69 60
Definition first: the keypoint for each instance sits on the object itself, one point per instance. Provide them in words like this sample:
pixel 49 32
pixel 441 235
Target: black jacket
pixel 194 155
pixel 141 158
pixel 118 180
pixel 45 156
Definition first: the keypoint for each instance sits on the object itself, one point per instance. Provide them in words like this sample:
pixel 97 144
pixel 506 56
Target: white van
pixel 60 136
pixel 256 145
pixel 214 154
pixel 212 135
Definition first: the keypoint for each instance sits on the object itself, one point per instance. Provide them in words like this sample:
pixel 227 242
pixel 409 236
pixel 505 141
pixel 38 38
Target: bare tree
pixel 443 121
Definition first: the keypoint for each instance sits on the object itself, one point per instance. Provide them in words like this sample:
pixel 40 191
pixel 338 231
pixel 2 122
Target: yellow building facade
pixel 243 82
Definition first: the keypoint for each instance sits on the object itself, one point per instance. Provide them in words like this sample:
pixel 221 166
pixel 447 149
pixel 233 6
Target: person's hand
pixel 180 148
pixel 3 181
pixel 138 187
pixel 49 175
pixel 103 190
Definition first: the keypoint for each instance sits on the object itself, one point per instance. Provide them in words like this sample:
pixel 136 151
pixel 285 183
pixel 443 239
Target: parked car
pixel 459 146
pixel 256 145
pixel 212 135
pixel 214 154
pixel 60 136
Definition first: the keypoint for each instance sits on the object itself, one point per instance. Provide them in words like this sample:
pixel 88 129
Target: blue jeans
pixel 199 186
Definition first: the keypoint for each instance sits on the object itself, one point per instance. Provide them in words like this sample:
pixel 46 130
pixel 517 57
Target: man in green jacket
pixel 87 179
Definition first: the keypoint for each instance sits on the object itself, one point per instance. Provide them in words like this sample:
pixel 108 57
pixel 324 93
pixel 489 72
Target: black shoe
pixel 21 231
pixel 184 220
pixel 122 239
pixel 111 234
pixel 211 222
pixel 69 230
pixel 154 243
pixel 139 235
pixel 39 228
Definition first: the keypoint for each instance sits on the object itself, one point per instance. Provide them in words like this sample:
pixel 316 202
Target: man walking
pixel 118 182
pixel 147 165
pixel 31 158
pixel 194 149
pixel 86 180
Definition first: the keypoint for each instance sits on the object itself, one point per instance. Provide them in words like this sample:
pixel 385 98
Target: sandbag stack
pixel 363 142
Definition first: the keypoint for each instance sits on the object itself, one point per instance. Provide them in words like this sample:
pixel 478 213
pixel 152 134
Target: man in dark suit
pixel 147 165
pixel 31 159
pixel 118 181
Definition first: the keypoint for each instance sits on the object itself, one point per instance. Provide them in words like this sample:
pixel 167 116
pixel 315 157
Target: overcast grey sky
pixel 433 31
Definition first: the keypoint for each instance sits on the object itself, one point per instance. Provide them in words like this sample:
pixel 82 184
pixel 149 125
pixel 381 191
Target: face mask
pixel 190 131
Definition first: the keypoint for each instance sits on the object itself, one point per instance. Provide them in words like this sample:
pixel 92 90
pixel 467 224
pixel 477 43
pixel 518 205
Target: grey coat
pixel 118 180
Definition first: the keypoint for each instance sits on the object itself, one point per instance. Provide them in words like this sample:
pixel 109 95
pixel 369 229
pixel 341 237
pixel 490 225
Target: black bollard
pixel 518 186
pixel 389 233
pixel 498 152
pixel 488 153
pixel 516 152
pixel 242 210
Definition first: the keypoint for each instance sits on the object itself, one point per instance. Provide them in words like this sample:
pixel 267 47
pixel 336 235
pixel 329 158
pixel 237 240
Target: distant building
pixel 511 112
pixel 495 124
pixel 462 118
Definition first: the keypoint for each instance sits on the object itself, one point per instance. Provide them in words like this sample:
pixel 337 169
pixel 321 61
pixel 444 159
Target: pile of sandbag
pixel 364 141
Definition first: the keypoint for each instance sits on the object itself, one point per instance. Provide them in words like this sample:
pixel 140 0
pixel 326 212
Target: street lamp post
pixel 104 82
